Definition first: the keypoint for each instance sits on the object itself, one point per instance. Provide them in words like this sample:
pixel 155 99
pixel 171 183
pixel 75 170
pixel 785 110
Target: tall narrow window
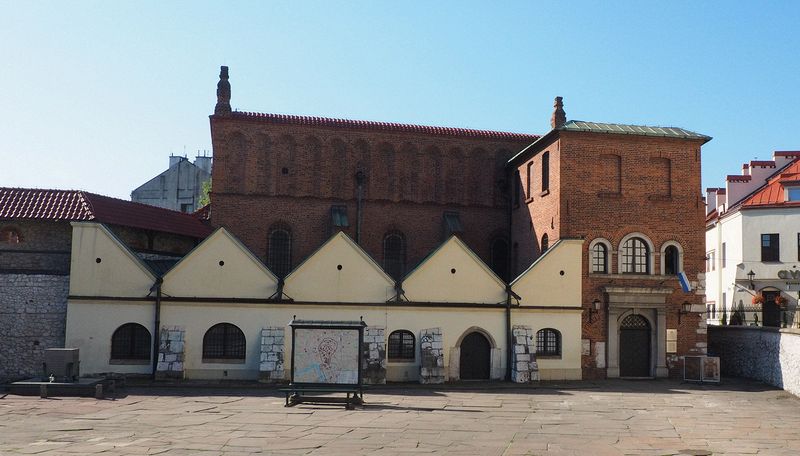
pixel 401 346
pixel 130 342
pixel 451 224
pixel 770 247
pixel 671 263
pixel 545 243
pixel 394 254
pixel 600 258
pixel 279 251
pixel 635 257
pixel 528 180
pixel 499 258
pixel 545 171
pixel 224 341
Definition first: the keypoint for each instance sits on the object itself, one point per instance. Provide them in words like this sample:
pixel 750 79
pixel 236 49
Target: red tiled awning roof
pixel 76 205
pixel 285 119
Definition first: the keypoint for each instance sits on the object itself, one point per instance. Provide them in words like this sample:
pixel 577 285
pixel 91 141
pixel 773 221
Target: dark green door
pixel 634 347
pixel 475 357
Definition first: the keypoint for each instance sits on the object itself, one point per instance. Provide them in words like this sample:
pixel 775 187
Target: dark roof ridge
pixel 291 119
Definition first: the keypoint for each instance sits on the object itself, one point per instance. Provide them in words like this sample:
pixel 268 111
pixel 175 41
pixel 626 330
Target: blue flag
pixel 687 287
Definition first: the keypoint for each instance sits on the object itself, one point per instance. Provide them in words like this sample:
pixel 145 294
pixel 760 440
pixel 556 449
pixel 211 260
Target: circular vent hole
pixel 221 263
pixel 97 260
pixel 453 271
pixel 339 267
pixel 561 273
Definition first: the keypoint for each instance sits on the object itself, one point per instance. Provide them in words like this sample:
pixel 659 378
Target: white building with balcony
pixel 753 244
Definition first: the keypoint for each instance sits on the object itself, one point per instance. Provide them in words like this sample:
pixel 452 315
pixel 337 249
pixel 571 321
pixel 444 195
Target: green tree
pixel 205 199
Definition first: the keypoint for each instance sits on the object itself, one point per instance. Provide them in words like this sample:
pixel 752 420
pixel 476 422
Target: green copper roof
pixel 597 127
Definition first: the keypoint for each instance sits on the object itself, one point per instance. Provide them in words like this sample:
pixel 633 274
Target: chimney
pixel 223 107
pixel 559 116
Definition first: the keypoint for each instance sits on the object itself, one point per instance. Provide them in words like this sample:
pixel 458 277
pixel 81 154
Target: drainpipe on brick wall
pixel 157 330
pixel 360 176
pixel 509 264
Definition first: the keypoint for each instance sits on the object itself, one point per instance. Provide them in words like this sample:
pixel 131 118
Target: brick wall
pixel 268 173
pixel 44 247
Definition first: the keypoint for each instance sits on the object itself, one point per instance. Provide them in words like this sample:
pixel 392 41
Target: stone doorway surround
pixel 649 302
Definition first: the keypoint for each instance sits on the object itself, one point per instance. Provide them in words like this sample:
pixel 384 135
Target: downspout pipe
pixel 509 264
pixel 157 329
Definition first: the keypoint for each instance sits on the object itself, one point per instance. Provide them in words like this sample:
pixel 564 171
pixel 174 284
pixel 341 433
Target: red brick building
pixel 283 184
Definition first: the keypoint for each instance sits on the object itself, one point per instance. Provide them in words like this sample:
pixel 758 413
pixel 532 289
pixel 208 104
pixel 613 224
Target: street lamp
pixel 751 275
pixel 686 308
pixel 597 306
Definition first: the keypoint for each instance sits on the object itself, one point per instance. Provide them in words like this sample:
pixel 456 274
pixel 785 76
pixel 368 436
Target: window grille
pixel 394 255
pixel 279 256
pixel 635 257
pixel 224 341
pixel 130 341
pixel 401 346
pixel 545 243
pixel 600 258
pixel 548 342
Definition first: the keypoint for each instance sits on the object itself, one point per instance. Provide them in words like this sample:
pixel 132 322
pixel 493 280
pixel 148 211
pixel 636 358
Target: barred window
pixel 279 251
pixel 548 342
pixel 224 341
pixel 394 254
pixel 401 346
pixel 130 341
pixel 545 243
pixel 600 258
pixel 499 258
pixel 635 257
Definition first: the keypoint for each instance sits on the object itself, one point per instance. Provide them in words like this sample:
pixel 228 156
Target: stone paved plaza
pixel 589 418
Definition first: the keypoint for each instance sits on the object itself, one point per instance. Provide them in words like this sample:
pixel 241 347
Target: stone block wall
pixel 33 311
pixel 171 352
pixel 770 355
pixel 271 368
pixel 374 355
pixel 524 368
pixel 431 345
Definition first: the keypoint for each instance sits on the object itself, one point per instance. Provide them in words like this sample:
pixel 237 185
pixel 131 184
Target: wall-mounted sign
pixel 786 274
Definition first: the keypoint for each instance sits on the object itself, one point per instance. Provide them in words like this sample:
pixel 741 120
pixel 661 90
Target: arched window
pixel 394 254
pixel 548 342
pixel 499 258
pixel 130 341
pixel 545 243
pixel 401 346
pixel 599 258
pixel 671 260
pixel 224 341
pixel 10 235
pixel 279 251
pixel 635 256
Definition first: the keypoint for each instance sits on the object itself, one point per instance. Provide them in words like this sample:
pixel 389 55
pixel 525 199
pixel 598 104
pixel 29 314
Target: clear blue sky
pixel 96 95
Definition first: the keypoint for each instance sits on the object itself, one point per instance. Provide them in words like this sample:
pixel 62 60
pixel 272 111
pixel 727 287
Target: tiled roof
pixel 285 119
pixel 76 205
pixel 597 127
pixel 773 193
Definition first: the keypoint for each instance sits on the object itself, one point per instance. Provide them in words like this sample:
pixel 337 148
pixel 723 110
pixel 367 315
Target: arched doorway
pixel 475 357
pixel 634 347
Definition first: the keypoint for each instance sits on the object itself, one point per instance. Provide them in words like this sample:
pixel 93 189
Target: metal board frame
pixel 339 325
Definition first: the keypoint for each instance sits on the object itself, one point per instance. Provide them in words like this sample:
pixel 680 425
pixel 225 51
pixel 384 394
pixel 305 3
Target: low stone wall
pixel 171 353
pixel 431 346
pixel 770 355
pixel 33 309
pixel 271 367
pixel 374 356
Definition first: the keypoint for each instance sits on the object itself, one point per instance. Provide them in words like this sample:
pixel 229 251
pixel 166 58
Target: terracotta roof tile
pixel 773 193
pixel 77 205
pixel 285 119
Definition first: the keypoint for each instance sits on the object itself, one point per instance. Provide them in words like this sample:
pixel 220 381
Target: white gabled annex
pixel 101 265
pixel 453 273
pixel 551 280
pixel 339 271
pixel 220 267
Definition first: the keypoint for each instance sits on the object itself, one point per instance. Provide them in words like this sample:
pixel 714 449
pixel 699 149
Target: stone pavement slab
pixel 614 417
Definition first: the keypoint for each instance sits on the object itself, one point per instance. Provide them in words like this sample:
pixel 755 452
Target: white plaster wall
pixel 119 273
pixel 545 285
pixel 90 326
pixel 200 274
pixel 472 282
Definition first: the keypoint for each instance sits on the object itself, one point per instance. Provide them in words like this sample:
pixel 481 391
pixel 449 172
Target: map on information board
pixel 323 355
